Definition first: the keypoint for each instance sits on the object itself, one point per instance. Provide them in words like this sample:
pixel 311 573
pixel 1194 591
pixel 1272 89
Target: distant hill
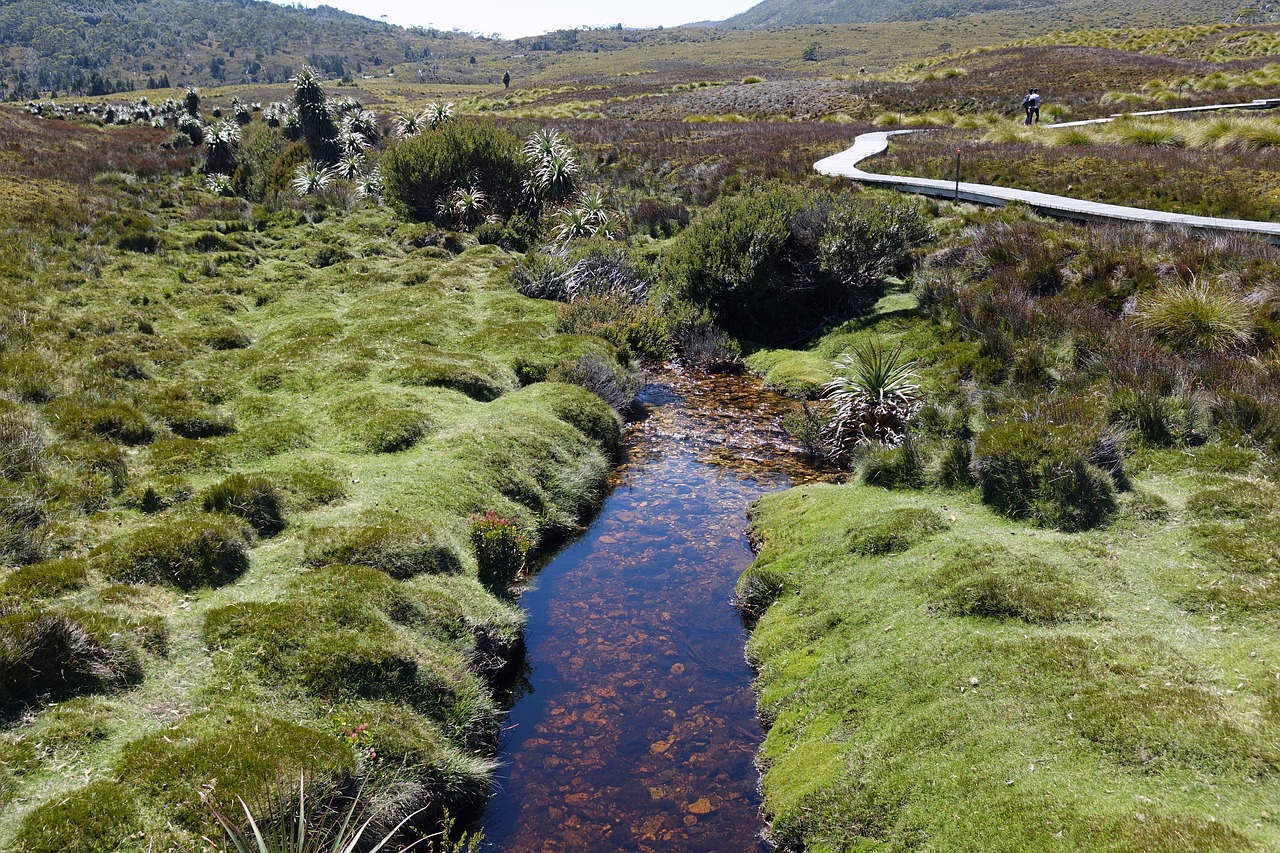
pixel 775 14
pixel 102 46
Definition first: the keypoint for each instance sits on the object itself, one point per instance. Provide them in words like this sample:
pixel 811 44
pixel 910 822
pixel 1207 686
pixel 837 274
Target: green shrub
pixel 490 234
pixel 500 547
pixel 639 329
pixel 869 237
pixel 238 752
pixel 1042 470
pixel 776 261
pixel 1155 419
pixel 253 498
pixel 399 546
pixel 419 172
pixel 98 817
pixel 157 495
pixel 392 430
pixel 44 580
pixel 185 552
pixel 49 654
pixel 895 531
pixel 991 582
pixel 612 382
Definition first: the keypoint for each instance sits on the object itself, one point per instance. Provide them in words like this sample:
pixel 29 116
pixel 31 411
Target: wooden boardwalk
pixel 846 165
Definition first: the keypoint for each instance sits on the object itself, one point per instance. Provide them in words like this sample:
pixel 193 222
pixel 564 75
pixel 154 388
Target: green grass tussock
pixel 239 752
pixel 991 582
pixel 181 551
pixel 102 815
pixel 400 546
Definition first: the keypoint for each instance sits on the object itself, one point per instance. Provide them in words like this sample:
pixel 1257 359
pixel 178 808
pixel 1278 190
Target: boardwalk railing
pixel 846 165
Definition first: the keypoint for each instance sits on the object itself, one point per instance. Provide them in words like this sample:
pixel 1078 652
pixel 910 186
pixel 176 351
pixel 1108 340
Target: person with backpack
pixel 1031 104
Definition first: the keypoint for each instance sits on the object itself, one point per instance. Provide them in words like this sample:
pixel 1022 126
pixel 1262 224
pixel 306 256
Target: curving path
pixel 845 164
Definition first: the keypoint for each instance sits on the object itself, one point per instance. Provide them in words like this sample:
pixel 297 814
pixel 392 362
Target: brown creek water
pixel 635 729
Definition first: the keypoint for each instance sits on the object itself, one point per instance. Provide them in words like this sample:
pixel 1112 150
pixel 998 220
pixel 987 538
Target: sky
pixel 515 18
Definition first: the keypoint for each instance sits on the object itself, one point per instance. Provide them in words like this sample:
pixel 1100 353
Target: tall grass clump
pixel 391 543
pixel 1196 316
pixel 1044 470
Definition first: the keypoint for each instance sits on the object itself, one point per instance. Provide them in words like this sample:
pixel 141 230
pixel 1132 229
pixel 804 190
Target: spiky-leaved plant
pixel 338 825
pixel 311 177
pixel 873 396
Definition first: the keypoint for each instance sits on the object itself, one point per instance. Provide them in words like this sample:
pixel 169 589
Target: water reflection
pixel 636 728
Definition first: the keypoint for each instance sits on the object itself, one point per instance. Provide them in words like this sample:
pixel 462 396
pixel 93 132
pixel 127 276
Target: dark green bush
pixel 101 816
pixel 1042 470
pixel 186 552
pixel 393 544
pixel 253 498
pixel 490 234
pixel 777 261
pixel 418 172
pixel 53 654
pixel 638 329
pixel 991 582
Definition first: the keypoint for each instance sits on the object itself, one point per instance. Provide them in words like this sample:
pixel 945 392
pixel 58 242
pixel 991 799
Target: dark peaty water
pixel 637 727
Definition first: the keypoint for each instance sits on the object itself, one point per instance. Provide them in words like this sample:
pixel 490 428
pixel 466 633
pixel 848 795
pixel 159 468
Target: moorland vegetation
pixel 292 394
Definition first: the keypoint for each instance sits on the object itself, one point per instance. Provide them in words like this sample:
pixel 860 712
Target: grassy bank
pixel 944 666
pixel 241 451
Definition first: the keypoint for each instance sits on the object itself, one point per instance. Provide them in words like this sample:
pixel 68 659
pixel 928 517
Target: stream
pixel 634 728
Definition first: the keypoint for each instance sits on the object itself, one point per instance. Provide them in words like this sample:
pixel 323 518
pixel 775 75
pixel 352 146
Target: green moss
pixel 86 418
pixel 186 552
pixel 992 582
pixel 97 818
pixel 894 531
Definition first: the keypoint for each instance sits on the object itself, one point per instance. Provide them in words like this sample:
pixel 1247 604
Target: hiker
pixel 1031 103
pixel 506 79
